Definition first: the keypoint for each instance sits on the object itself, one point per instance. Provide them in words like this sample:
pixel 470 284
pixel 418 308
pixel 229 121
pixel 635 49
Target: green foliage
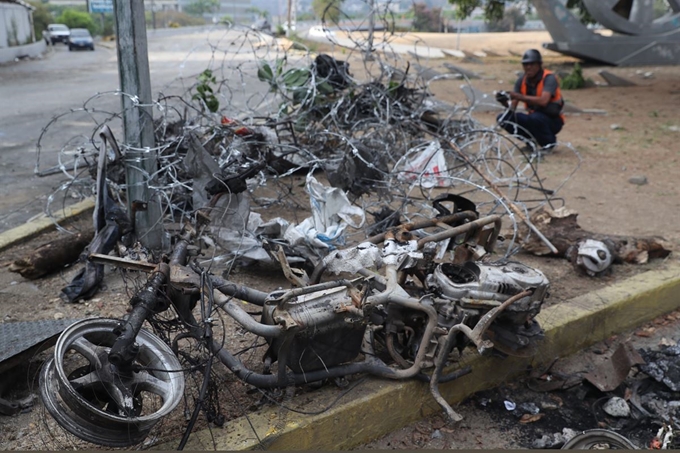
pixel 77 19
pixel 327 10
pixel 107 26
pixel 493 9
pixel 41 18
pixel 201 7
pixel 513 18
pixel 226 19
pixel 296 85
pixel 174 19
pixel 575 80
pixel 204 91
pixel 425 19
pixel 303 16
pixel 583 13
pixel 661 7
pixel 259 12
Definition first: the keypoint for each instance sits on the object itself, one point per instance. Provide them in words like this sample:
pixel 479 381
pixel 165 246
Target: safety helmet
pixel 593 257
pixel 532 56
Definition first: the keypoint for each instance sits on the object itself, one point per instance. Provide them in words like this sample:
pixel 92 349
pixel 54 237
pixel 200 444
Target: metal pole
pixel 153 15
pixel 290 12
pixel 458 35
pixel 371 27
pixel 140 158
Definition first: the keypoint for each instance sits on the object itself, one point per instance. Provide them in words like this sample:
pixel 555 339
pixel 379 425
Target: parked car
pixel 319 31
pixel 56 33
pixel 80 39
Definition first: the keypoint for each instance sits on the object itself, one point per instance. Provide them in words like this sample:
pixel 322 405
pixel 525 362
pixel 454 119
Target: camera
pixel 502 97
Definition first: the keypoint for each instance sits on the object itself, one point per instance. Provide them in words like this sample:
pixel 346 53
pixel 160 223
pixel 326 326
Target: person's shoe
pixel 529 149
pixel 548 149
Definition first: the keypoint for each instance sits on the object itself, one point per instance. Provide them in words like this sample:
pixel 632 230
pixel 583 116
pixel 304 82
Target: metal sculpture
pixel 638 39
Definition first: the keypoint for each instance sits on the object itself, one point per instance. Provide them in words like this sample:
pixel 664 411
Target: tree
pixel 494 9
pixel 513 18
pixel 425 19
pixel 41 18
pixel 77 19
pixel 201 7
pixel 327 10
pixel 258 11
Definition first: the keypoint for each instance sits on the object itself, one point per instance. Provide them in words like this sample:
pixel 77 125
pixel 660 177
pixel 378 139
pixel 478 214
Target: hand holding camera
pixel 503 97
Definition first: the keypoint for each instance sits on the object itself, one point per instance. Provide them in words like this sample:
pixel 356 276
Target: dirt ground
pixel 638 136
pixel 491 424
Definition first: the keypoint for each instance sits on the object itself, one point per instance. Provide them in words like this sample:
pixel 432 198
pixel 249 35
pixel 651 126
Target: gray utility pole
pixel 371 28
pixel 141 162
pixel 290 17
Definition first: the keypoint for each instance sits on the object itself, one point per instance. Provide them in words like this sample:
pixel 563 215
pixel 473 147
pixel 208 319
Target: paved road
pixel 32 93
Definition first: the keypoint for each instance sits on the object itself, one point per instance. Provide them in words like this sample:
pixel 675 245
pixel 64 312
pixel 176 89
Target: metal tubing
pixel 247 322
pixel 241 292
pixel 438 367
pixel 427 223
pixel 446 234
pixel 124 349
pixel 389 297
pixel 312 289
pixel 179 252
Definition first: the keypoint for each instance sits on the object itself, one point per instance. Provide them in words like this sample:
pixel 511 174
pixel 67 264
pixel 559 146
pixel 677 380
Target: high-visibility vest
pixel 556 96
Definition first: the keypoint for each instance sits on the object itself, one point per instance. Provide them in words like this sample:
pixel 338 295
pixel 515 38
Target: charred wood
pixel 52 256
pixel 563 231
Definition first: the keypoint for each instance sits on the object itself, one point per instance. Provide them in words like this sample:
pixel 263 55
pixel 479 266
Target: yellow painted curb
pixel 29 230
pixel 376 407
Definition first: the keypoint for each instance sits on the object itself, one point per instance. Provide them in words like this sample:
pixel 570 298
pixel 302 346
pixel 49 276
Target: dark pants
pixel 533 126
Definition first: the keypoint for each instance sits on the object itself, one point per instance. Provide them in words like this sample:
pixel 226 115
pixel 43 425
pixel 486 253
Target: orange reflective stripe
pixel 556 96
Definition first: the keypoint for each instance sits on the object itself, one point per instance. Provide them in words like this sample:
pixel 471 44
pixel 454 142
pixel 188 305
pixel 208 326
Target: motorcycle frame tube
pixel 427 223
pixel 370 366
pixel 241 292
pixel 465 228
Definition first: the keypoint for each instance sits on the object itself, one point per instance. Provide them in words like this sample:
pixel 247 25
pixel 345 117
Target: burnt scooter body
pixel 395 324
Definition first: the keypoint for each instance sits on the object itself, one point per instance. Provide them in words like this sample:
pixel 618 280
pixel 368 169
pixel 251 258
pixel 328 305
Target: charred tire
pixel 599 439
pixel 91 399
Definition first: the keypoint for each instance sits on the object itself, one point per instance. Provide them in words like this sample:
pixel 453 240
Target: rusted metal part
pixel 475 225
pixel 183 276
pixel 427 223
pixel 611 373
pixel 121 262
pixel 289 272
pixel 476 336
pixel 179 275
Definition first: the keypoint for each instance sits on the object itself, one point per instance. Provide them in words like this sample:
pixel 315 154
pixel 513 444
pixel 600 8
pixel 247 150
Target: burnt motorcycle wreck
pixel 418 311
pixel 404 305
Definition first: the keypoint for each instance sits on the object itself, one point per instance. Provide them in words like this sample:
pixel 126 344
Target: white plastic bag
pixel 425 166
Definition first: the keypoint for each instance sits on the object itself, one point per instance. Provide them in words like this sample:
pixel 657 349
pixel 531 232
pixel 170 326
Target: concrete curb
pixel 377 407
pixel 29 230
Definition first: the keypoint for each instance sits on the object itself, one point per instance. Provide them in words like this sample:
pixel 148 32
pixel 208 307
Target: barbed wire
pixel 362 122
pixel 384 113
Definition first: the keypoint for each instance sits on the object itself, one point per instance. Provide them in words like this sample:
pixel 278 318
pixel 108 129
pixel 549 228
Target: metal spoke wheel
pixel 92 399
pixel 599 439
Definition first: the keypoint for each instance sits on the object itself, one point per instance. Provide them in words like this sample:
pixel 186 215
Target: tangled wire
pixel 263 113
